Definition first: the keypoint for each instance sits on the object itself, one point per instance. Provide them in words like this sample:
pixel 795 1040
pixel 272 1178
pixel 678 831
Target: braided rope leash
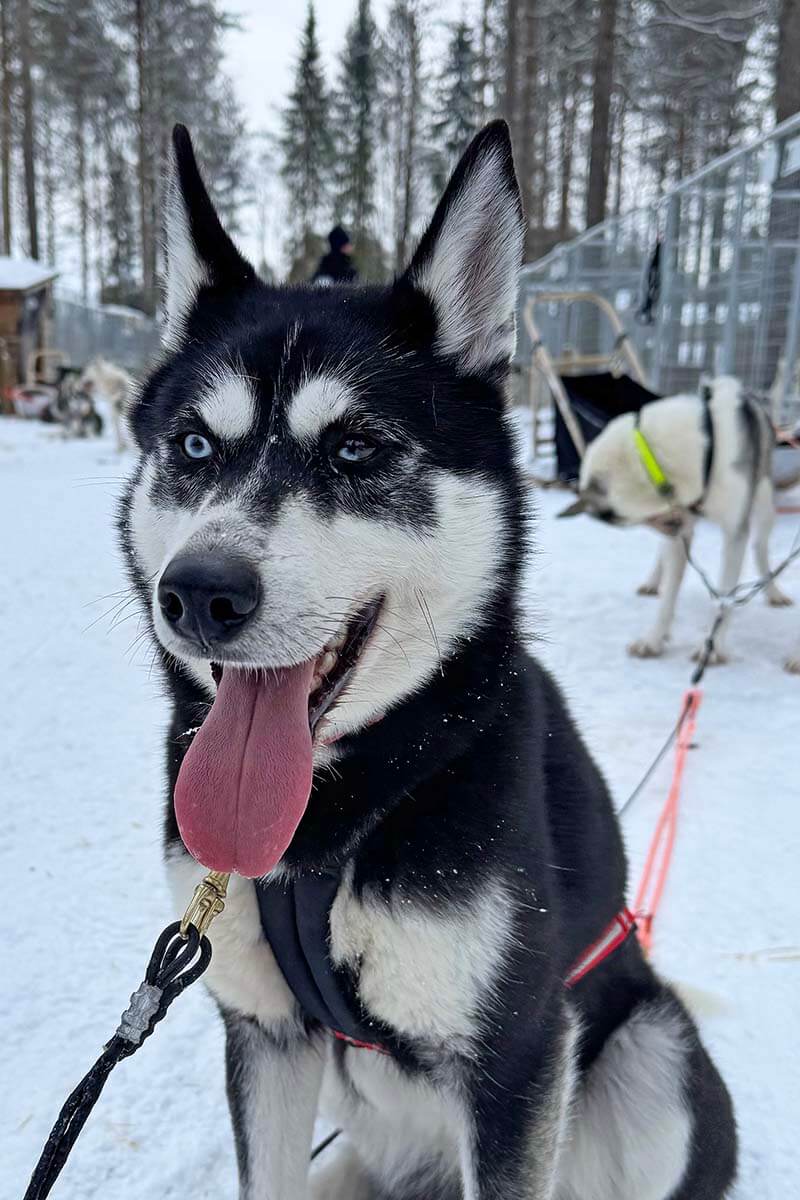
pixel 180 956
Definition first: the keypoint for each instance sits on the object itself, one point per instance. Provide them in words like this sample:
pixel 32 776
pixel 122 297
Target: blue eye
pixel 195 446
pixel 355 449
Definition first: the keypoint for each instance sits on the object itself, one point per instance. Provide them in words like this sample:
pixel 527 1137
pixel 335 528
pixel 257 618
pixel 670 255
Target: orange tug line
pixel 662 844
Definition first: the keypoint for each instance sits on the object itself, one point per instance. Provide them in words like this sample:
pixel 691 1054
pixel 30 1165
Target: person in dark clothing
pixel 336 266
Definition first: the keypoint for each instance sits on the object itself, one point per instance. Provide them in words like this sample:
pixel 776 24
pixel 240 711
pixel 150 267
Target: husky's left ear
pixel 469 258
pixel 199 251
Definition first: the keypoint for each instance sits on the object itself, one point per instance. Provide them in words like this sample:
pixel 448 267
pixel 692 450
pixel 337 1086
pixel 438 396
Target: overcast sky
pixel 262 55
pixel 261 58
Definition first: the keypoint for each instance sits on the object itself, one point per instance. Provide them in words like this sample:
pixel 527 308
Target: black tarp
pixel 595 400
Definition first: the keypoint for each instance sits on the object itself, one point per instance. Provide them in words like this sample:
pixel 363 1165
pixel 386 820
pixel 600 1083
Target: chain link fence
pixel 80 332
pixel 728 272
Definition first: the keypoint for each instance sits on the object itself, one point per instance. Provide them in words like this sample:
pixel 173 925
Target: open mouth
pixel 336 662
pixel 246 778
pixel 334 667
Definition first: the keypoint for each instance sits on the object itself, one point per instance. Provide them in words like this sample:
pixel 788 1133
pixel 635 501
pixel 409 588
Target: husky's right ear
pixel 575 509
pixel 468 260
pixel 199 251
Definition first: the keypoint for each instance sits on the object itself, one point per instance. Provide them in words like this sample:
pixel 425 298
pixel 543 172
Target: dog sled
pixel 573 397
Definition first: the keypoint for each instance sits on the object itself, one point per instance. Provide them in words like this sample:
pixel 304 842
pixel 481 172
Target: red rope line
pixel 662 844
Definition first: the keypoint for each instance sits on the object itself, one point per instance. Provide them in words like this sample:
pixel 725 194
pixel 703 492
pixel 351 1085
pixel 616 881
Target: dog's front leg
pixel 673 564
pixel 518 1104
pixel 733 551
pixel 273 1079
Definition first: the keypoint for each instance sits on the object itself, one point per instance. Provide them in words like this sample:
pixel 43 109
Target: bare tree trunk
pixel 83 194
pixel 5 125
pixel 601 112
pixel 527 117
pixel 410 148
pixel 787 74
pixel 28 131
pixel 510 82
pixel 146 238
pixel 49 181
pixel 406 122
pixel 567 146
pixel 483 59
pixel 619 155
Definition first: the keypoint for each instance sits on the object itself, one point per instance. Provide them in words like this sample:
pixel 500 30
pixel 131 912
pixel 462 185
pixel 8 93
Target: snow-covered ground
pixel 84 893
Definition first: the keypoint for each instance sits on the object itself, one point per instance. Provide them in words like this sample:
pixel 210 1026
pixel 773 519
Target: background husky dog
pixel 615 487
pixel 327 508
pixel 102 377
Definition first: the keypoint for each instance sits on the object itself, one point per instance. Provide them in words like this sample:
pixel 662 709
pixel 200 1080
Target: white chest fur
pixel 424 973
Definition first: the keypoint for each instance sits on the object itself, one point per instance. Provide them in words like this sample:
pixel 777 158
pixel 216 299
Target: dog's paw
pixel 717 658
pixel 778 599
pixel 646 648
pixel 792 665
pixel 647 589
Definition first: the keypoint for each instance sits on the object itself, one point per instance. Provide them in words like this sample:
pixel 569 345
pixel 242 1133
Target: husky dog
pixel 101 377
pixel 715 450
pixel 326 528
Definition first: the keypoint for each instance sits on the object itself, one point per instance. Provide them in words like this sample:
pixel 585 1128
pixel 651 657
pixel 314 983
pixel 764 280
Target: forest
pixel 609 102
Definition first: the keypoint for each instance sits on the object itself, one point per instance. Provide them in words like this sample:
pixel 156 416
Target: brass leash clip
pixel 207 902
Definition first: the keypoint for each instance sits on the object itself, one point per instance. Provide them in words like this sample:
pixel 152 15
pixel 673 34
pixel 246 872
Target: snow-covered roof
pixel 20 274
pixel 122 310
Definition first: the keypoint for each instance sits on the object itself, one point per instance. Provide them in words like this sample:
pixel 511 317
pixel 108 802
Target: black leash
pixel 176 962
pixel 180 956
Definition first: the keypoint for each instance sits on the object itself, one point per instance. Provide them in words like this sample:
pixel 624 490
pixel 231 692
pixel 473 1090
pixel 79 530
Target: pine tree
pixel 6 103
pixel 120 284
pixel 307 150
pixel 458 104
pixel 403 103
pixel 356 122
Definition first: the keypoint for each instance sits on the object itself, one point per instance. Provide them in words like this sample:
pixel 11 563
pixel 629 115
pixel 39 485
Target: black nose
pixel 207 598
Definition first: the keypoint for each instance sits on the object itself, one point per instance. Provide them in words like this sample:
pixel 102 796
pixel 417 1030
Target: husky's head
pixel 326 506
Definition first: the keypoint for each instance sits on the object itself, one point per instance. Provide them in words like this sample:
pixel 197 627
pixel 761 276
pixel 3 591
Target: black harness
pixel 708 457
pixel 295 917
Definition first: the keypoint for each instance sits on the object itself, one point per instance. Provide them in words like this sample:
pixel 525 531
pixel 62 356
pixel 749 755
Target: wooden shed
pixel 25 303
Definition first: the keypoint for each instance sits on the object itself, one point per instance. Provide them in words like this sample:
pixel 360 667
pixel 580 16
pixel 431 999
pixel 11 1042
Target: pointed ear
pixel 469 257
pixel 199 251
pixel 574 510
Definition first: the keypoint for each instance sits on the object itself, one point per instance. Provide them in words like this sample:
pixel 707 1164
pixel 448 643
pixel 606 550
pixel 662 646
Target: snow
pixel 19 274
pixel 84 890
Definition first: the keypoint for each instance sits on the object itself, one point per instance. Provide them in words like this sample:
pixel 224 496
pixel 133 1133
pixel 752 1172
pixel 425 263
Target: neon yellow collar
pixel 651 464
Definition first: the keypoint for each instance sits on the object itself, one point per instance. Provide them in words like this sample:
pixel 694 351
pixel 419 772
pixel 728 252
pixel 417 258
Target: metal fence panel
pixel 81 331
pixel 730 277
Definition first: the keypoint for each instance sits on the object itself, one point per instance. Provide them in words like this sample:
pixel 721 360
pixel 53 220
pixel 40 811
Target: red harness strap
pixel 612 936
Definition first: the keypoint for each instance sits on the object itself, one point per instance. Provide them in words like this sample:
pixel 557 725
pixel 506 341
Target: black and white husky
pixel 326 528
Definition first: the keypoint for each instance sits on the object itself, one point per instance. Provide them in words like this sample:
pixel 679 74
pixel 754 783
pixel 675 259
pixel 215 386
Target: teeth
pixel 326 663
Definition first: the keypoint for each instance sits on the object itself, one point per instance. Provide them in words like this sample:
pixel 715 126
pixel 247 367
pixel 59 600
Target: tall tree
pixel 28 126
pixel 510 65
pixel 307 148
pixel 787 61
pixel 356 121
pixel 530 27
pixel 6 91
pixel 600 141
pixel 403 118
pixel 458 103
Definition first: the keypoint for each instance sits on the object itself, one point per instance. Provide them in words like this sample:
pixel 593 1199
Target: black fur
pixel 481 775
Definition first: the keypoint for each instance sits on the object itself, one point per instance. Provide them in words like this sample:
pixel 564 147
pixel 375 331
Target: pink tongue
pixel 245 780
